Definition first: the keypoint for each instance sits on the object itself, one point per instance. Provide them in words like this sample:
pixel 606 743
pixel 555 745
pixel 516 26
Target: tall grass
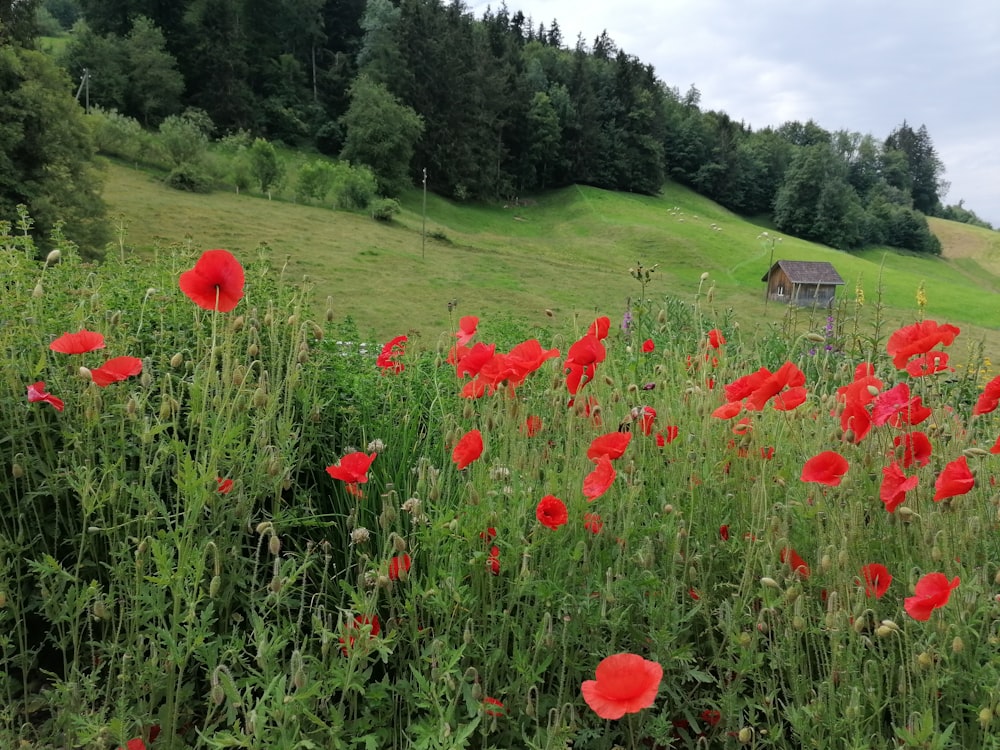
pixel 141 601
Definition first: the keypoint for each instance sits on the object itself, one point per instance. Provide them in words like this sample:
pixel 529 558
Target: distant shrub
pixel 384 209
pixel 314 181
pixel 118 135
pixel 355 187
pixel 190 178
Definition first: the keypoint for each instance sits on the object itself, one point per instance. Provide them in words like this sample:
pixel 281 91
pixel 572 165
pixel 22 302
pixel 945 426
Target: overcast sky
pixel 858 65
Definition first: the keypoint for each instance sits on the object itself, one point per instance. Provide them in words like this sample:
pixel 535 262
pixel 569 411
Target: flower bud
pixel 53 257
pixel 38 291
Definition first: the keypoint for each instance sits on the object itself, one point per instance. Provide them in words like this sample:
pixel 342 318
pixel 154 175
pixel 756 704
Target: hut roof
pixel 806 272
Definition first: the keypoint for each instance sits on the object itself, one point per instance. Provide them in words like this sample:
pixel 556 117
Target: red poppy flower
pixel 625 684
pixel 592 522
pixel 715 338
pixel 532 426
pixel 468 449
pixel 916 448
pixel 711 716
pixel 353 470
pixel 742 387
pixel 493 561
pixel 551 512
pixel 728 410
pixel 215 281
pixel 353 627
pixel 600 327
pixel 527 357
pixel 767 453
pixel 877 580
pixel 469 361
pixel 787 376
pixel 398 564
pixel 135 743
pixel 115 370
pixel 669 435
pixel 225 485
pixel 825 468
pixel 36 392
pixel 648 346
pixel 388 358
pixel 897 408
pixel 895 485
pixel 492 707
pixel 995 449
pixel 855 421
pixel 466 329
pixel 81 342
pixel 586 351
pixel 724 533
pixel 794 561
pixel 989 398
pixel 612 445
pixel 790 398
pixel 954 479
pixel 918 338
pixel 928 364
pixel 646 418
pixel 932 591
pixel 597 482
pixel 489 535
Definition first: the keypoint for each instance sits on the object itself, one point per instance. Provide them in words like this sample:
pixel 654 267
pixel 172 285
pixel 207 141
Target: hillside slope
pixel 566 253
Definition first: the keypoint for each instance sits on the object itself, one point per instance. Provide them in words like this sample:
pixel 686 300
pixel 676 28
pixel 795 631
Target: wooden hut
pixel 804 283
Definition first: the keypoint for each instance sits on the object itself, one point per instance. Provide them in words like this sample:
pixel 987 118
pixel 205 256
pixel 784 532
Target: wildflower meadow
pixel 230 523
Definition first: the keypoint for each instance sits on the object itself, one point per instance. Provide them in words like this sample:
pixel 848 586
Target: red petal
pixel 114 370
pixel 78 343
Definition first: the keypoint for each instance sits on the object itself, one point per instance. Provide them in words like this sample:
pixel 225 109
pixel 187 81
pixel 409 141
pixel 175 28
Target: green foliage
pixel 355 187
pixel 184 137
pixel 139 590
pixel 155 85
pixel 315 179
pixel 190 177
pixel 46 151
pixel 264 165
pixel 118 135
pixel 384 209
pixel 380 132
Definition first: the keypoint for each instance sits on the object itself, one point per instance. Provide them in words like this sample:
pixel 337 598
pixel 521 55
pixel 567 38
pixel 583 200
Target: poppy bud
pixel 798 623
pixel 218 695
pixel 925 660
pixel 883 631
pixel 17 471
pixel 85 373
pixel 985 717
pixel 214 586
pixel 293 320
pixel 53 257
pixel 99 610
pixel 745 736
pixel 816 338
pixel 38 291
pixel 274 544
pixel 253 350
pixel 770 583
pixel 704 276
pixel 268 320
pixel 957 645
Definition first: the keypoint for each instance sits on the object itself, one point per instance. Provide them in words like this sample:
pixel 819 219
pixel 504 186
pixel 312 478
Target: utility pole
pixel 85 87
pixel 423 230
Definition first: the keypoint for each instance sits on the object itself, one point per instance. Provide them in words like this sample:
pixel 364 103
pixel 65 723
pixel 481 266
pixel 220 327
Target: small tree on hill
pixel 381 133
pixel 264 165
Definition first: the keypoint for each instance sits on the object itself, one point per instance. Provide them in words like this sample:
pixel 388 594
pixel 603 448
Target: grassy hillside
pixel 567 253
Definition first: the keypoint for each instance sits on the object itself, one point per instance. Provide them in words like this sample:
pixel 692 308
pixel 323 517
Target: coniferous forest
pixel 482 108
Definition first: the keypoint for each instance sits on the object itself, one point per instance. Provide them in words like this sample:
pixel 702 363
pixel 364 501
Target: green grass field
pixel 567 252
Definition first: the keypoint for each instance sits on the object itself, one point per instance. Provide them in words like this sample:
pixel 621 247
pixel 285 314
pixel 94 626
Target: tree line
pixel 490 107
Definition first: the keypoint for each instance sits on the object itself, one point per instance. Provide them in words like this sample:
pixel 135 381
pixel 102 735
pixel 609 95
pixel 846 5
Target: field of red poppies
pixel 230 524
